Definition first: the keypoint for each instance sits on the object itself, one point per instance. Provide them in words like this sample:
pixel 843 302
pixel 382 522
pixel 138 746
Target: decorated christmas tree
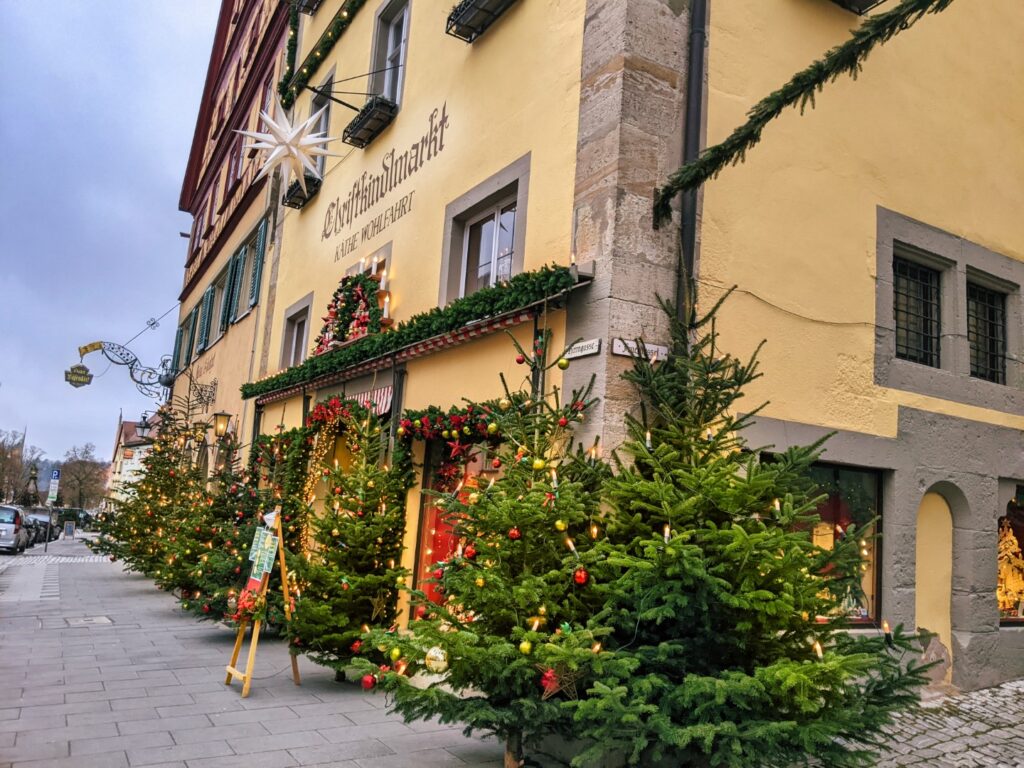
pixel 521 582
pixel 139 530
pixel 726 641
pixel 209 545
pixel 351 574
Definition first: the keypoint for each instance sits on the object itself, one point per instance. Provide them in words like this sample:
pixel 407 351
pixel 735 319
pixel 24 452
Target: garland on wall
pixel 518 293
pixel 292 84
pixel 845 59
pixel 353 312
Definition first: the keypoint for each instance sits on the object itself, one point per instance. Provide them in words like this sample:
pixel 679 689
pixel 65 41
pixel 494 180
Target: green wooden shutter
pixel 204 319
pixel 257 264
pixel 229 287
pixel 176 352
pixel 236 287
pixel 191 335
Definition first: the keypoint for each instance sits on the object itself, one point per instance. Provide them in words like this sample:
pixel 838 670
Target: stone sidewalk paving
pixel 98 669
pixel 106 672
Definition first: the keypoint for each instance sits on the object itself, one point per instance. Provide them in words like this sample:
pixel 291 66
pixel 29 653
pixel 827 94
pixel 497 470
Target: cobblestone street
pixel 100 669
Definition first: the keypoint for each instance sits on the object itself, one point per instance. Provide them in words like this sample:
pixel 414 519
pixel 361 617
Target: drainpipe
pixel 691 149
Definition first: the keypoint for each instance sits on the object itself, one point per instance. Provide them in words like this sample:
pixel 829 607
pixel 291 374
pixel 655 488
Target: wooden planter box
pixel 471 18
pixel 374 117
pixel 296 198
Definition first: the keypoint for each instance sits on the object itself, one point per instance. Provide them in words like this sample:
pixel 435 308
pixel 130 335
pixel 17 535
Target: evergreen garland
pixel 845 59
pixel 292 84
pixel 353 312
pixel 518 293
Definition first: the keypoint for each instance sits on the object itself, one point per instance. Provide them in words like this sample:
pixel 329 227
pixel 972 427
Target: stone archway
pixel 933 589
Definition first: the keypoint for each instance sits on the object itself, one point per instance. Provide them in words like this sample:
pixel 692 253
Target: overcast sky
pixel 99 105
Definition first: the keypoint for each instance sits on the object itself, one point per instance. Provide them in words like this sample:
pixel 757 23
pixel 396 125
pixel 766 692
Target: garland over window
pixel 518 293
pixel 846 59
pixel 353 312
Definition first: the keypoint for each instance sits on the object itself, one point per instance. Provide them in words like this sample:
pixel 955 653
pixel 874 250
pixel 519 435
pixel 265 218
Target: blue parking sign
pixel 55 475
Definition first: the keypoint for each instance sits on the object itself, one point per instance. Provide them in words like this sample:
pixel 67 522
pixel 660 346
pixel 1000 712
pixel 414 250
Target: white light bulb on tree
pixel 295 146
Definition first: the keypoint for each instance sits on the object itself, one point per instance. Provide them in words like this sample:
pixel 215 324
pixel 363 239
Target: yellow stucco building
pixel 874 242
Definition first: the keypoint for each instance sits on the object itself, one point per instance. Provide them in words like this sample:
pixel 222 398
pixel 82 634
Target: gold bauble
pixel 436 660
pixel 525 647
pixel 396 653
pixel 504 403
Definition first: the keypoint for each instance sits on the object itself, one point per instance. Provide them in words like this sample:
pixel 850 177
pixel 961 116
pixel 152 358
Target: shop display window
pixel 1010 579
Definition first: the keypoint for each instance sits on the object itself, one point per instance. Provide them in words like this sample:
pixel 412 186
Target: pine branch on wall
pixel 845 59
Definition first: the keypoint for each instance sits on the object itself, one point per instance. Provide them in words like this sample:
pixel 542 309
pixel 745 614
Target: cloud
pixel 100 106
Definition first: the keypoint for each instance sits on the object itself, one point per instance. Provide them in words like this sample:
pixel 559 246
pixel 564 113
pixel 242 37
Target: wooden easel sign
pixel 265 546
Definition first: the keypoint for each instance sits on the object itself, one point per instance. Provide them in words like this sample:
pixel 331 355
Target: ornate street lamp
pixel 143 427
pixel 221 420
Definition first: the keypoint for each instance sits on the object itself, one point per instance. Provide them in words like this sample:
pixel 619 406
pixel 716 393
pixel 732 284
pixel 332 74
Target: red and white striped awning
pixel 379 400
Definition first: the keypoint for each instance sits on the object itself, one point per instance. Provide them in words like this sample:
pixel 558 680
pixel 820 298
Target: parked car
pixel 13 536
pixel 42 516
pixel 31 529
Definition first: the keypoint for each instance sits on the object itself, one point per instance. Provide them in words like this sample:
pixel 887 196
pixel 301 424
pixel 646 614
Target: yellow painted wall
pixel 933 592
pixel 515 91
pixel 228 358
pixel 930 129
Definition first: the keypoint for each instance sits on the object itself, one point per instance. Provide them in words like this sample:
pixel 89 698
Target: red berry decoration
pixel 515 534
pixel 580 576
pixel 520 359
pixel 356 645
pixel 563 422
pixel 496 463
pixel 469 552
pixel 368 682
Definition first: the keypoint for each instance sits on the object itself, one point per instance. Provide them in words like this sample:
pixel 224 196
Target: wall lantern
pixel 143 427
pixel 860 7
pixel 220 424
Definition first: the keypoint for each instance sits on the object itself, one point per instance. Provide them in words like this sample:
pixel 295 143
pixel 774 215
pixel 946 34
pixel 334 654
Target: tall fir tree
pixel 522 582
pixel 727 643
pixel 351 574
pixel 140 529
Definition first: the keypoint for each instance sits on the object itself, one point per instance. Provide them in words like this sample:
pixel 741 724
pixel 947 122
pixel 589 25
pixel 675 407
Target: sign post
pixel 265 546
pixel 51 497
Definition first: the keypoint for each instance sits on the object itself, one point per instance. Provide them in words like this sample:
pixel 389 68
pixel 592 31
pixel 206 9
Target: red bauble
pixel 234 489
pixel 368 682
pixel 170 472
pixel 438 573
pixel 515 534
pixel 344 586
pixel 520 359
pixel 496 463
pixel 421 611
pixel 356 645
pixel 113 559
pixel 238 569
pixel 197 529
pixel 337 490
pixel 469 552
pixel 563 422
pixel 580 576
pixel 206 608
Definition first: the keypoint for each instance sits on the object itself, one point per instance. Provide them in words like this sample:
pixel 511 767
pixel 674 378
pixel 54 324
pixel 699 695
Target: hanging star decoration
pixel 379 603
pixel 558 679
pixel 295 146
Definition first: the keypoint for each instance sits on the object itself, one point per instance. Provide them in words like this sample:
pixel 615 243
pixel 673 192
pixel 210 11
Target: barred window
pixel 916 312
pixel 986 333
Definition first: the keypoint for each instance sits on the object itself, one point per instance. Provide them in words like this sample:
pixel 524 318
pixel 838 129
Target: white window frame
pixel 323 125
pixel 390 50
pixel 494 213
pixel 294 349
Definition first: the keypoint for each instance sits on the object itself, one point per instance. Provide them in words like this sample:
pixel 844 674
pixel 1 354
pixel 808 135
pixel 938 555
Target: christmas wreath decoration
pixel 353 312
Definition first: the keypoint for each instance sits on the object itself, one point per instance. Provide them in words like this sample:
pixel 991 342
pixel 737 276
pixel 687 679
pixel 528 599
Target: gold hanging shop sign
pixel 78 376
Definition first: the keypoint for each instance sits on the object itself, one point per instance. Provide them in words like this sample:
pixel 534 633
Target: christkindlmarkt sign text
pixel 370 188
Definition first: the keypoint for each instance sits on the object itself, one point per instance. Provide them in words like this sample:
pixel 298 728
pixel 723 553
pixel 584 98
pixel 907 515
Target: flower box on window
pixel 308 6
pixel 296 198
pixel 470 18
pixel 374 117
pixel 860 7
